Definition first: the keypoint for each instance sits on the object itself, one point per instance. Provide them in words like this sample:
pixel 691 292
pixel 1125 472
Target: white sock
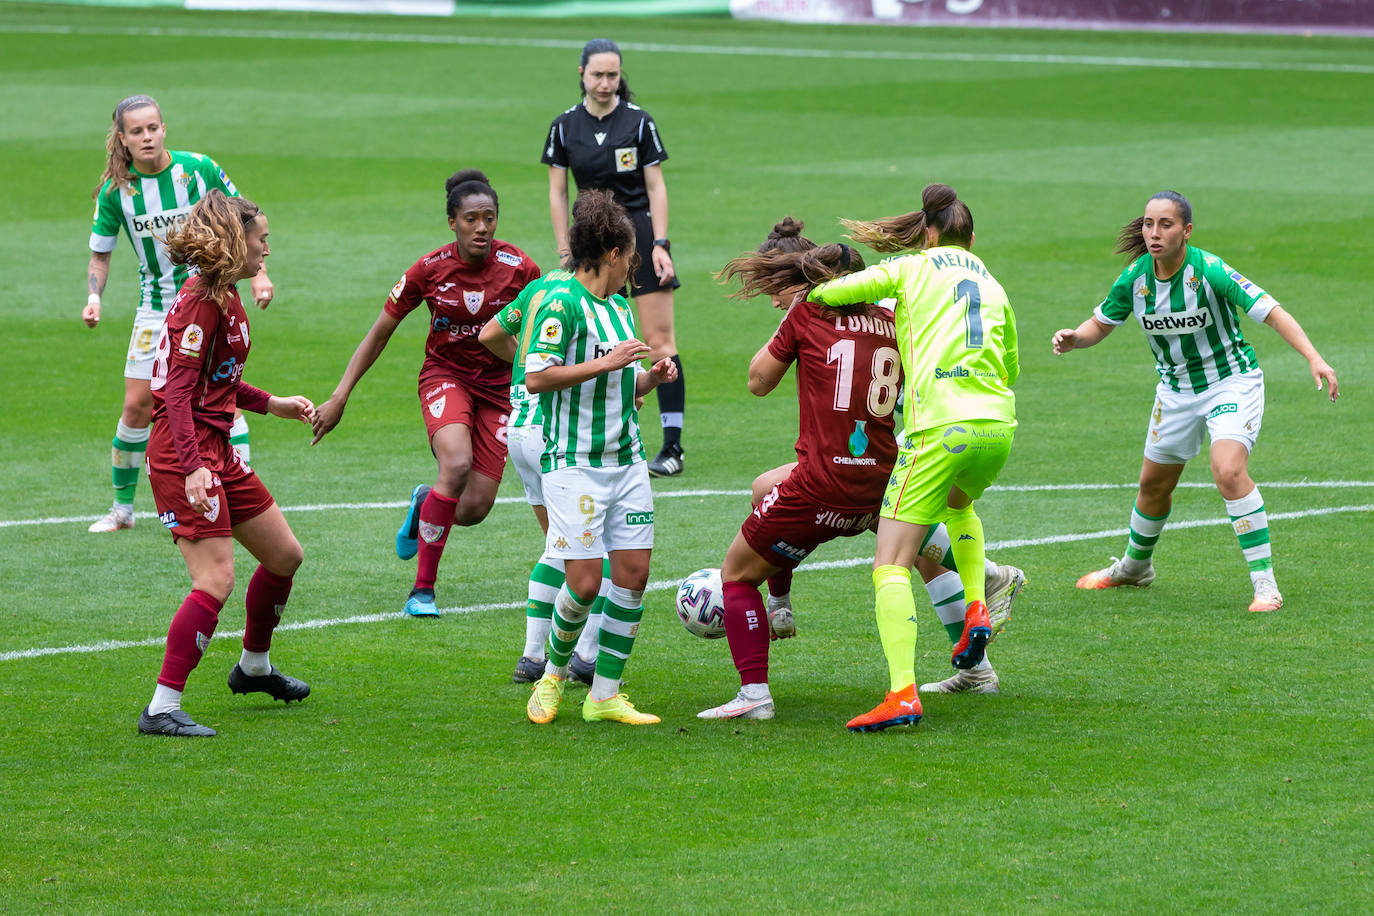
pixel 755 691
pixel 255 664
pixel 603 688
pixel 590 640
pixel 984 665
pixel 238 438
pixel 165 699
pixel 946 594
pixel 776 601
pixel 536 635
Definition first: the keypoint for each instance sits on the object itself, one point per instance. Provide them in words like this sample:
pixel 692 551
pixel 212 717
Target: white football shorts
pixel 593 511
pixel 525 445
pixel 143 343
pixel 1233 409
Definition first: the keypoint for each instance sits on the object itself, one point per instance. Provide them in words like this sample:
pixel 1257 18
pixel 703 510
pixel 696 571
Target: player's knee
pixel 453 472
pixel 217 581
pixel 288 560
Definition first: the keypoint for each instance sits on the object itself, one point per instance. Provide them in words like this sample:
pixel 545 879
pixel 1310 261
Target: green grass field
pixel 1152 751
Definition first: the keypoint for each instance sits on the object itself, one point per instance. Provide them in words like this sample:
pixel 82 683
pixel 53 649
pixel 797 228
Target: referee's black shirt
pixel 609 153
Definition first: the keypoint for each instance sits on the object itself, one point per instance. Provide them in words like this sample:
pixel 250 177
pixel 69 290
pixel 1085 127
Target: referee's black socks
pixel 672 401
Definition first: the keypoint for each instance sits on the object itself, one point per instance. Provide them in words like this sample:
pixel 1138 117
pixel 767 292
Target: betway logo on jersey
pixel 1177 322
pixel 144 227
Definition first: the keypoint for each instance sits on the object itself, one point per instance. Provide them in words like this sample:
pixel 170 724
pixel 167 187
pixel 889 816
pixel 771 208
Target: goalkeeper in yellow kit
pixel 957 338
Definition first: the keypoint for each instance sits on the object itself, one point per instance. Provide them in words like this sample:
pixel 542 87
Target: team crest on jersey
pixel 183 179
pixel 473 300
pixel 436 407
pixel 626 159
pixel 213 513
pixel 431 532
pixel 191 340
pixel 507 257
pixel 551 332
pixel 1195 283
pixel 396 290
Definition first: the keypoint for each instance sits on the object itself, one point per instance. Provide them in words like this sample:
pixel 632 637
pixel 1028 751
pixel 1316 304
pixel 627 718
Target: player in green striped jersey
pixel 146 190
pixel 957 337
pixel 508 335
pixel 583 362
pixel 1188 303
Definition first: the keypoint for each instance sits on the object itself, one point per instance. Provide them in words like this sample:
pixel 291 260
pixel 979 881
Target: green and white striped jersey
pixel 1191 319
pixel 524 407
pixel 146 210
pixel 593 424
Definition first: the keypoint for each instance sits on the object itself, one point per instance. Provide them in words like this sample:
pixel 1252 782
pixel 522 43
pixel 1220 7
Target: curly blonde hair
pixel 213 240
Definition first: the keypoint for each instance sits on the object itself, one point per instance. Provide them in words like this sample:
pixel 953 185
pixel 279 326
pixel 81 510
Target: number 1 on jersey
pixel 973 316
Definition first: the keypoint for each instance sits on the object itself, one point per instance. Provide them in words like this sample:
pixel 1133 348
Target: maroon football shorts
pixel 445 400
pixel 236 495
pixel 789 523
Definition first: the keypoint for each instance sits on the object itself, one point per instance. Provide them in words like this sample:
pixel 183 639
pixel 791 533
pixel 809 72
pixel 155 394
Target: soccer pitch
pixel 1152 750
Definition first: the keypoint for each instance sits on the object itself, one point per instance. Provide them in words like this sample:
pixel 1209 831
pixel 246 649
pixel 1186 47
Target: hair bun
pixel 787 228
pixel 458 178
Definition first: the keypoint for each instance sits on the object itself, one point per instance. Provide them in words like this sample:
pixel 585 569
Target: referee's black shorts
pixel 644 279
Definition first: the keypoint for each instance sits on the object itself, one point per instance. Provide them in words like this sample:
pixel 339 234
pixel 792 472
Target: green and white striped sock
pixel 545 580
pixel 569 616
pixel 126 460
pixel 619 627
pixel 591 633
pixel 1251 525
pixel 947 594
pixel 1140 546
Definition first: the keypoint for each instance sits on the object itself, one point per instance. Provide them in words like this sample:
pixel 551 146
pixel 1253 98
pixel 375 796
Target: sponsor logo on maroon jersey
pixel 509 257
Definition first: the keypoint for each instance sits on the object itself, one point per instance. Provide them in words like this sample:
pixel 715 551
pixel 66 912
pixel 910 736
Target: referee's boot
pixel 668 462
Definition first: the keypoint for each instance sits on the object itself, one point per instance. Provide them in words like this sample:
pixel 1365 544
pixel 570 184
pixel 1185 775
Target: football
pixel 700 604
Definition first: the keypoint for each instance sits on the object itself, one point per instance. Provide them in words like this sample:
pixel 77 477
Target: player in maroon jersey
pixel 848 377
pixel 206 496
pixel 464 387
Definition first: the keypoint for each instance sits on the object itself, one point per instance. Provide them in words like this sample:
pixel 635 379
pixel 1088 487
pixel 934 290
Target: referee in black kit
pixel 611 144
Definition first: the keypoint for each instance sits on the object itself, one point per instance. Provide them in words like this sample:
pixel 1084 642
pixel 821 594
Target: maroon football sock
pixel 188 637
pixel 267 594
pixel 436 517
pixel 746 629
pixel 780 583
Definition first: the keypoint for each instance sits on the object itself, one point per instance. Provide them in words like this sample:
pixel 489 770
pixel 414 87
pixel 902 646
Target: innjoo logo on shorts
pixel 1221 409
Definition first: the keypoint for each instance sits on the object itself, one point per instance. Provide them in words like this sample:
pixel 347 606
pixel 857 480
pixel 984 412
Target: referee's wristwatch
pixel 664 244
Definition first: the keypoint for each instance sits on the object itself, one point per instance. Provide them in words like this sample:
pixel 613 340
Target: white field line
pixel 1087 60
pixel 655 586
pixel 679 494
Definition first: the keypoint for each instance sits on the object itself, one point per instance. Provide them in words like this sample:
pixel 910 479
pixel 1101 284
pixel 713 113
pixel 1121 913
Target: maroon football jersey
pixel 849 374
pixel 201 336
pixel 462 297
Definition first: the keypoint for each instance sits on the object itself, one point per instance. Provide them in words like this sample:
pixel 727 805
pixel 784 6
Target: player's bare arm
pixel 1288 328
pixel 262 288
pixel 665 370
pixel 500 343
pixel 328 414
pixel 97 272
pixel 1087 334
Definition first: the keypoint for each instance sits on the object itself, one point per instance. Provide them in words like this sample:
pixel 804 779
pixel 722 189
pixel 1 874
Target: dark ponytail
pixel 604 46
pixel 598 225
pixel 941 209
pixel 1130 241
pixel 773 271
